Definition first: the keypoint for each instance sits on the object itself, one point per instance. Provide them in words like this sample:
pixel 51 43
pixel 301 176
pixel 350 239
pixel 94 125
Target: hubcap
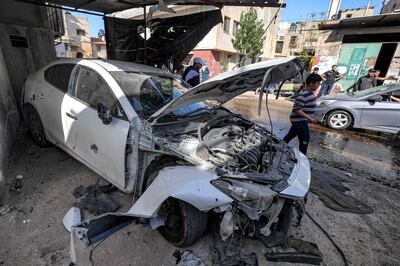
pixel 339 120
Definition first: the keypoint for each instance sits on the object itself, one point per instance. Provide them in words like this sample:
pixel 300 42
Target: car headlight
pixel 252 195
pixel 326 102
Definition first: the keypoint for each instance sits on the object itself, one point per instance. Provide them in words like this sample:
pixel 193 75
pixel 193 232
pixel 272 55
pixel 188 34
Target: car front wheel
pixel 184 224
pixel 36 127
pixel 339 120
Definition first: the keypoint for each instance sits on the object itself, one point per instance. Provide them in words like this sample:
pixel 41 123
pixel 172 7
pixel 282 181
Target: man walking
pixel 367 81
pixel 303 108
pixel 329 77
pixel 192 73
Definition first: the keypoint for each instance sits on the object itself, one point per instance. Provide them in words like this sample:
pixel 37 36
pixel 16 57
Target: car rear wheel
pixel 36 127
pixel 339 120
pixel 184 224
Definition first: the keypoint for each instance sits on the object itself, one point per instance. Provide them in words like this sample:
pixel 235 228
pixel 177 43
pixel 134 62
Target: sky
pixel 294 11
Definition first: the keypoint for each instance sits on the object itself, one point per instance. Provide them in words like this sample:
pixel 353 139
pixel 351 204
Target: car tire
pixel 184 223
pixel 339 120
pixel 36 127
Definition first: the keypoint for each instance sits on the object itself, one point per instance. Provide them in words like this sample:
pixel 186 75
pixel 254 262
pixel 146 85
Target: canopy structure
pixel 110 6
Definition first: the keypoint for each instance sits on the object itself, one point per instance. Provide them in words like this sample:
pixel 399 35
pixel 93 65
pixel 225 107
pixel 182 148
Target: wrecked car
pixel 176 149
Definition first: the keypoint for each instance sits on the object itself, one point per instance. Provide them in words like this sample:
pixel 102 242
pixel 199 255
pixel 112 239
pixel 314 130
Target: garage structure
pixel 30 29
pixel 358 44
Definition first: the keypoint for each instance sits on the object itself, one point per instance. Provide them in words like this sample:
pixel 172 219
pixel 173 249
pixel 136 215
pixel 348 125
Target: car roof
pixel 114 65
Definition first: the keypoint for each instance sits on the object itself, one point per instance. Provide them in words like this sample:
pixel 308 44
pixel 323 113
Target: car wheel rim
pixel 339 120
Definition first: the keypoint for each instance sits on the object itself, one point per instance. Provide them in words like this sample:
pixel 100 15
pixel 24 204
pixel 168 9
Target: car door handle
pixel 72 116
pixel 41 96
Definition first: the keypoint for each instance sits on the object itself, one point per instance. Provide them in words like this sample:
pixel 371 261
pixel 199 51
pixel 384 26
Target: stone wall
pixel 26 44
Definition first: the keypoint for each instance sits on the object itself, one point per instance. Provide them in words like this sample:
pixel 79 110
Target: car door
pixel 102 146
pixel 382 116
pixel 50 98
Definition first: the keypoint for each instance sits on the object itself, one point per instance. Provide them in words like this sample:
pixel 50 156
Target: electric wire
pixel 346 263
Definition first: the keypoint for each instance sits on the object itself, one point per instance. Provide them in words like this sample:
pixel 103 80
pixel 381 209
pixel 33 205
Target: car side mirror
pixel 375 98
pixel 104 113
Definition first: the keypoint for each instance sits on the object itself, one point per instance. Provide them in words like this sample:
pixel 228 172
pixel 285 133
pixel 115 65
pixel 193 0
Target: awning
pixel 385 20
pixel 110 6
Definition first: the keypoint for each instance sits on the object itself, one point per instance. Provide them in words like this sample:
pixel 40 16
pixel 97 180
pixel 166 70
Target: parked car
pixel 180 155
pixel 376 108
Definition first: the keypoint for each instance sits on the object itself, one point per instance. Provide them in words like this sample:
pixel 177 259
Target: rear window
pixel 59 75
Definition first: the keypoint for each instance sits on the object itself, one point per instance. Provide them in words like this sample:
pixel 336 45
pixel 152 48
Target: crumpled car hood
pixel 228 85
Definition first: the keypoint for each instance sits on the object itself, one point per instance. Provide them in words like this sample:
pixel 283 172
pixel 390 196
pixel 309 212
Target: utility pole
pixel 366 10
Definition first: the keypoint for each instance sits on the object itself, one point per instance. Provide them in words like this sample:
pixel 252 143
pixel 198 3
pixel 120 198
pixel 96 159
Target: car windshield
pixel 370 91
pixel 149 92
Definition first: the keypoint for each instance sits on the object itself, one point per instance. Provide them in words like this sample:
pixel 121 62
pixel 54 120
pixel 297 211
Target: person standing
pixel 367 81
pixel 192 73
pixel 329 78
pixel 380 80
pixel 315 70
pixel 303 109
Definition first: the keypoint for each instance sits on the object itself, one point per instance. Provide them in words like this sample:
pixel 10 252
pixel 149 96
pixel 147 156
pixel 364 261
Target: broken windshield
pixel 148 92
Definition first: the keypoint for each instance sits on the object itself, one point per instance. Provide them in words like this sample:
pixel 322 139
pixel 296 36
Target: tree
pixel 249 37
pixel 307 59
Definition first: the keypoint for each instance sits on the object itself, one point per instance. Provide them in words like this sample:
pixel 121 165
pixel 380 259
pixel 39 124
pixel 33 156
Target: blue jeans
pixel 301 130
pixel 325 89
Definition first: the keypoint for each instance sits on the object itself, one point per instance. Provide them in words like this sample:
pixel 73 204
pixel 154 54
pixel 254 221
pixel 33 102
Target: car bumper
pixel 300 179
pixel 319 114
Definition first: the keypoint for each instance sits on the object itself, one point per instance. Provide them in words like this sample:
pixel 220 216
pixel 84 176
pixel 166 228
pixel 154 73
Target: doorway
pixel 384 59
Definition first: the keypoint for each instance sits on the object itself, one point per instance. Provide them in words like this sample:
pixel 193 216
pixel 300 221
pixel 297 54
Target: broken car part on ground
pixel 186 159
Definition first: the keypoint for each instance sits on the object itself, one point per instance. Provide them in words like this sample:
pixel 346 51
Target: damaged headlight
pixel 255 196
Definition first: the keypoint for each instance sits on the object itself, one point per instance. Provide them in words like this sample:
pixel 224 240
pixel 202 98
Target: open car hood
pixel 228 85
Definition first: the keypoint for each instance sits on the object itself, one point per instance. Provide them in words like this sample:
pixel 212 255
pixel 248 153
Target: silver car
pixel 376 108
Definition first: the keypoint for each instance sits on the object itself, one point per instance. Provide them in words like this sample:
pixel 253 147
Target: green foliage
pixel 249 37
pixel 306 59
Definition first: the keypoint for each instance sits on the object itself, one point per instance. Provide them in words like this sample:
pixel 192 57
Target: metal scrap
pixel 307 252
pixel 187 258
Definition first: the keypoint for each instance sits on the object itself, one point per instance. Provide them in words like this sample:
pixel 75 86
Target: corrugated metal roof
pixel 385 20
pixel 110 6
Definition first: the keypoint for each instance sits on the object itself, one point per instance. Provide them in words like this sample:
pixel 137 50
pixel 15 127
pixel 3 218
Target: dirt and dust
pixel 32 232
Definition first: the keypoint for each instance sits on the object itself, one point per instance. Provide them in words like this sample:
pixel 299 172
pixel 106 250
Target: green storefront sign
pixel 354 61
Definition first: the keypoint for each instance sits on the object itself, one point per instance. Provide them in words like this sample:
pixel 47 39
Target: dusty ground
pixel 31 230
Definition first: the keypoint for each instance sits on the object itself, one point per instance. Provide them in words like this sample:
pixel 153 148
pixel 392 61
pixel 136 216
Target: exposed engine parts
pixel 237 146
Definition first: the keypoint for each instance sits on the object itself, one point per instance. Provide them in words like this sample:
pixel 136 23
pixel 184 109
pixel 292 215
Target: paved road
pixel 369 153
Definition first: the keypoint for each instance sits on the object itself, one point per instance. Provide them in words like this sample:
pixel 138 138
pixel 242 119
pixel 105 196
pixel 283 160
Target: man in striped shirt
pixel 303 108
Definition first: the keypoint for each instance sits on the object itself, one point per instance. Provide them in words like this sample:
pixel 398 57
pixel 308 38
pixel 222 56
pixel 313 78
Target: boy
pixel 303 108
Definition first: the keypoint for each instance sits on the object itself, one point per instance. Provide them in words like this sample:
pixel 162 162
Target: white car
pixel 180 154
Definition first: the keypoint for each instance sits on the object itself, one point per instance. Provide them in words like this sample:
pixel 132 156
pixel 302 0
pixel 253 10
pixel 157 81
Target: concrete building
pixel 296 37
pixel 304 35
pixel 355 12
pixel 99 48
pixel 357 44
pixel 26 44
pixel 217 48
pixel 76 37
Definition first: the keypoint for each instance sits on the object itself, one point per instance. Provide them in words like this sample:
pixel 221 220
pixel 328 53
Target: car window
pixel 92 89
pixel 59 75
pixel 149 92
pixel 371 91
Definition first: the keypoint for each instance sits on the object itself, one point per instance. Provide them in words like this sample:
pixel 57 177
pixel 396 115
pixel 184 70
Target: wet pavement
pixel 370 154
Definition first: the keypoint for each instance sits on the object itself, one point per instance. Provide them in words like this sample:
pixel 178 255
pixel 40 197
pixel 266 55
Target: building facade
pixel 304 35
pixel 98 48
pixel 358 44
pixel 217 50
pixel 76 37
